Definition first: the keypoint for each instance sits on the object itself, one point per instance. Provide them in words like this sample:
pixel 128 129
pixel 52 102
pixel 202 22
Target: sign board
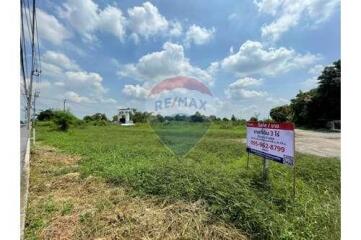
pixel 274 141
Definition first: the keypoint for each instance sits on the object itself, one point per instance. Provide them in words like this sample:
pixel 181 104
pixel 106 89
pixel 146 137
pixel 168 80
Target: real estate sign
pixel 274 141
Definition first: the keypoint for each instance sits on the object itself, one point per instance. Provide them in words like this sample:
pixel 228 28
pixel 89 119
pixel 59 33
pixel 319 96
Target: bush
pixel 63 120
pixel 253 119
pixel 100 123
pixel 96 117
pixel 281 113
pixel 46 115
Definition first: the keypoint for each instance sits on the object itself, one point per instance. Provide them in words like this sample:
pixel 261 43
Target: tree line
pixel 318 106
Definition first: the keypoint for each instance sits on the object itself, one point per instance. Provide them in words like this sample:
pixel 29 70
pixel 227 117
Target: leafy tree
pixel 96 117
pixel 63 120
pixel 139 117
pixel 197 117
pixel 281 113
pixel 46 115
pixel 253 119
pixel 316 107
pixel 329 92
pixel 233 118
pixel 115 118
pixel 303 108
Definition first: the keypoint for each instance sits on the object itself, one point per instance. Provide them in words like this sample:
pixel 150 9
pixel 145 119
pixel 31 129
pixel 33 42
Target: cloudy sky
pixel 253 55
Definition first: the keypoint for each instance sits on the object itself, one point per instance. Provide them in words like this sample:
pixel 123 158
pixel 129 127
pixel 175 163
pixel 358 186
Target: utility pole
pixel 36 95
pixel 64 104
pixel 29 97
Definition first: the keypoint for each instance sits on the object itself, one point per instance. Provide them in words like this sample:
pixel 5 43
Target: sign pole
pixel 294 182
pixel 265 169
pixel 247 160
pixel 294 171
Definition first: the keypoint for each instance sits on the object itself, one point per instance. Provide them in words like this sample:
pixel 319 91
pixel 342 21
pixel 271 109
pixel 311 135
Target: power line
pixel 35 66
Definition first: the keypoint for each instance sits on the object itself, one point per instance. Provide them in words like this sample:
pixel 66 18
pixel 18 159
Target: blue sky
pixel 253 55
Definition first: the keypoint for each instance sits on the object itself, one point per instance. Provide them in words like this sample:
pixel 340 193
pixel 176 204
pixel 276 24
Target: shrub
pixel 281 113
pixel 46 115
pixel 63 120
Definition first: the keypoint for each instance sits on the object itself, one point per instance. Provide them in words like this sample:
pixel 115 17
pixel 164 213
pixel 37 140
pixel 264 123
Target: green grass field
pixel 214 171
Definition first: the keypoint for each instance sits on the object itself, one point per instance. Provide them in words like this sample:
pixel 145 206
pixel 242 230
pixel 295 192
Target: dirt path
pixel 325 144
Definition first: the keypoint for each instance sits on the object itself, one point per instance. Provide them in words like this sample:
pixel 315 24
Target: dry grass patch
pixel 63 205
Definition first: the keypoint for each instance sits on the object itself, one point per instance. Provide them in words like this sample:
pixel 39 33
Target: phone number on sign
pixel 267 146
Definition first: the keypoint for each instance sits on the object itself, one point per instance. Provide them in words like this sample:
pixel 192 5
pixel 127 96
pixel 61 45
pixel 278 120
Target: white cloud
pixel 236 90
pixel 232 16
pixel 50 29
pixel 86 79
pixel 253 58
pixel 67 79
pixel 167 63
pixel 310 83
pixel 42 85
pixel 277 100
pixel 60 84
pixel 86 17
pixel 289 13
pixel 57 58
pixel 199 35
pixel 241 93
pixel 111 20
pixel 316 70
pixel 146 20
pixel 73 96
pixel 246 82
pixel 176 29
pixel 135 91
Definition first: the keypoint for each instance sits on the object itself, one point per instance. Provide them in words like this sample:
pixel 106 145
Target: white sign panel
pixel 275 141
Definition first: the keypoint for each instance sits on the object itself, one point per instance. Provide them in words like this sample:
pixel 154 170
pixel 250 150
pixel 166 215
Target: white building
pixel 124 114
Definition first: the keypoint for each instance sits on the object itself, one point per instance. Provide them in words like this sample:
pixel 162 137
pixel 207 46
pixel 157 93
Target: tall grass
pixel 214 171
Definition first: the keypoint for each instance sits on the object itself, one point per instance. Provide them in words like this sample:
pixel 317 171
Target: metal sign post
pixel 294 171
pixel 265 169
pixel 247 159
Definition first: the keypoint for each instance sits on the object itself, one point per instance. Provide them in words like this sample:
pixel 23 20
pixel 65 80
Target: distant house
pixel 124 116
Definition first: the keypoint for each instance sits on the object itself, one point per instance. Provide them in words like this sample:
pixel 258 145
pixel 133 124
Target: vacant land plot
pixel 213 172
pixel 63 205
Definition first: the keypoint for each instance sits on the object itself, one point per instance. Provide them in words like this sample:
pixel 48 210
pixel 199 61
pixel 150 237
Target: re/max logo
pixel 166 103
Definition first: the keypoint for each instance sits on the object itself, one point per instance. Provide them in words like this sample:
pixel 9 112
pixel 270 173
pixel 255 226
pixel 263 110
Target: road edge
pixel 24 189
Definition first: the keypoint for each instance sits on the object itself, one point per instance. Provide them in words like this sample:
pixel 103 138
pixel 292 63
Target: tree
pixel 281 113
pixel 318 106
pixel 329 92
pixel 115 118
pixel 233 118
pixel 46 115
pixel 253 119
pixel 63 120
pixel 139 117
pixel 197 117
pixel 303 108
pixel 96 117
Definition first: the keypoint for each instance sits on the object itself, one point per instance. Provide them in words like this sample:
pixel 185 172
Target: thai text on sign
pixel 274 141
